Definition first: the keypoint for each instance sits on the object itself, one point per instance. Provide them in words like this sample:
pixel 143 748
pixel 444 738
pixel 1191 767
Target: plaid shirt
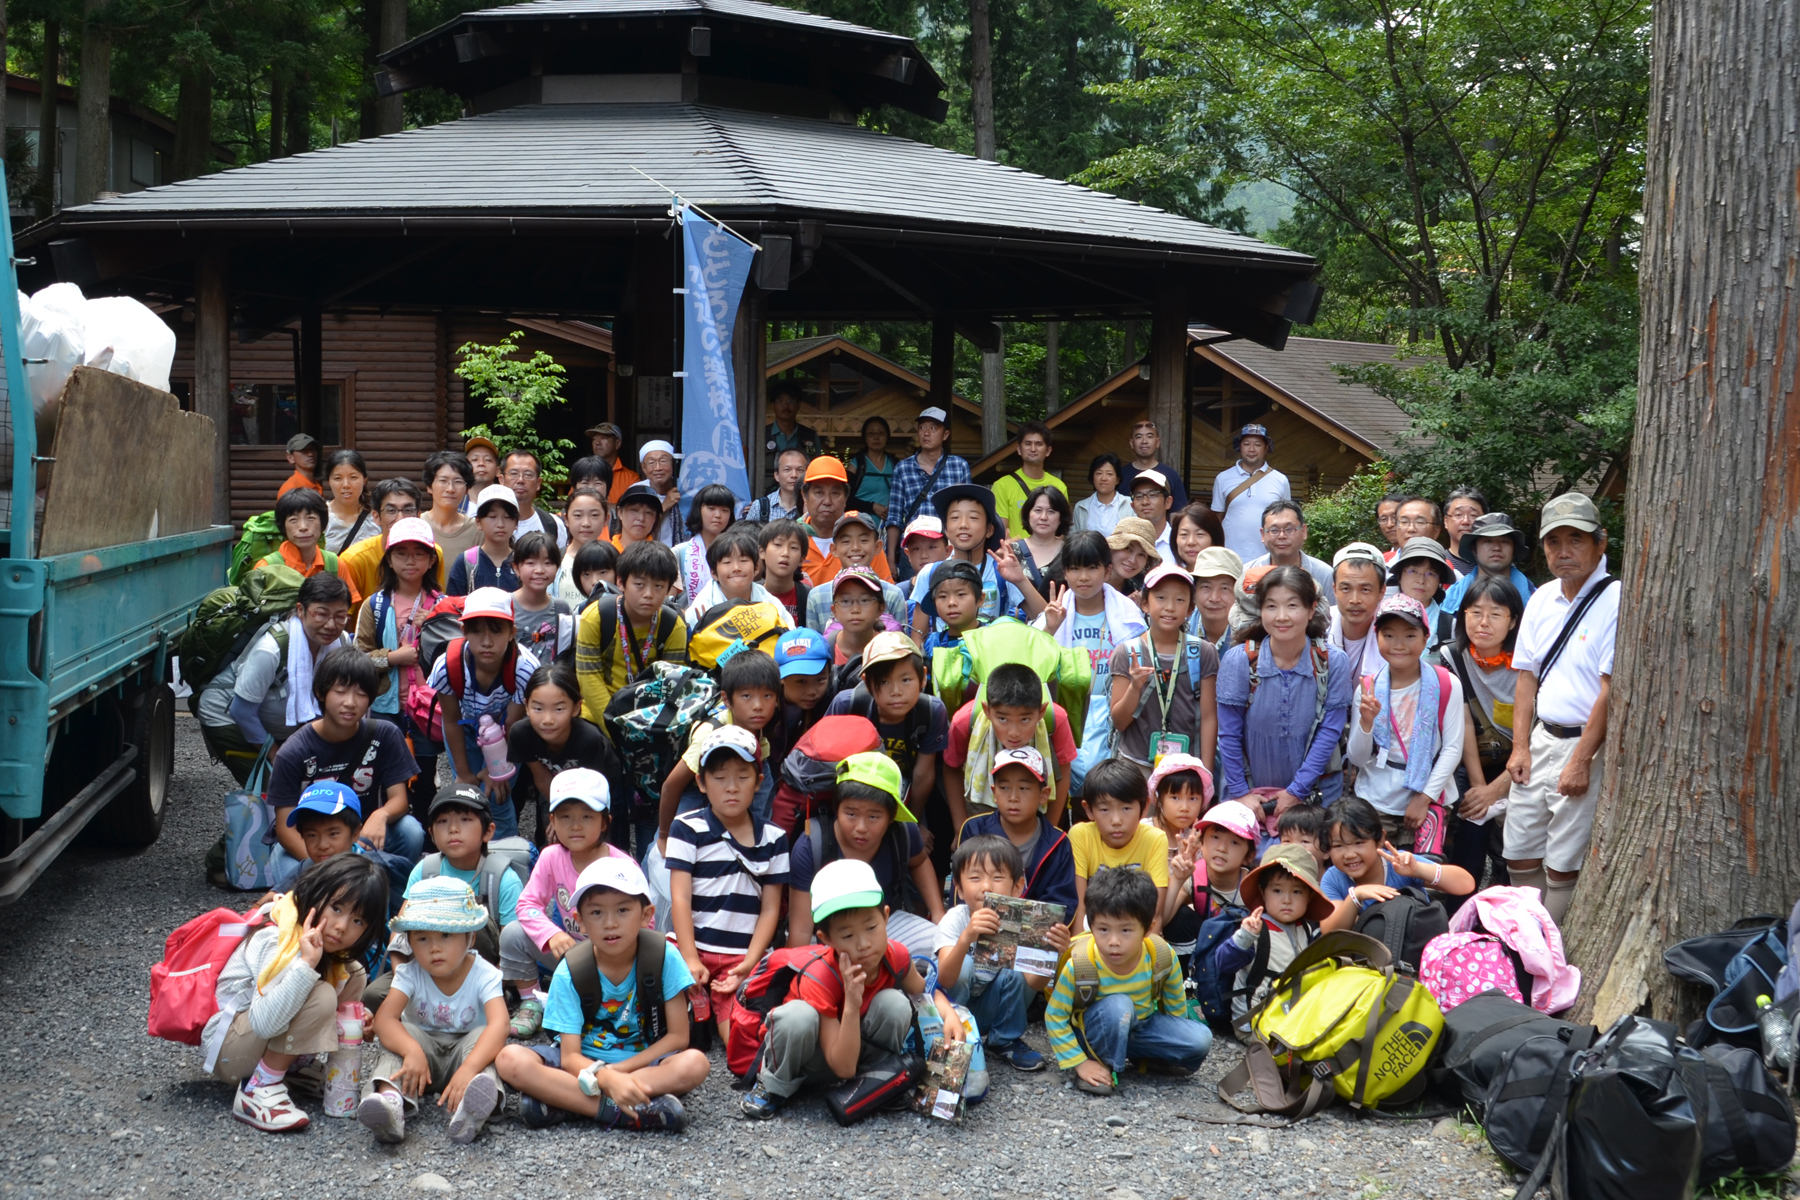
pixel 909 485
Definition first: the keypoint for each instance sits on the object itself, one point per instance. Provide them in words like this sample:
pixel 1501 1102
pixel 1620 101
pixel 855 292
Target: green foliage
pixel 1739 1186
pixel 1336 518
pixel 514 390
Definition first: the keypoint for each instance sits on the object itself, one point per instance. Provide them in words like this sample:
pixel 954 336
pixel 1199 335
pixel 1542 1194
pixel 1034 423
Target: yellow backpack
pixel 727 628
pixel 1340 1021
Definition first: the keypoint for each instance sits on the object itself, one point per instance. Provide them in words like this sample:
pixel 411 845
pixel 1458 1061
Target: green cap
pixel 876 770
pixel 1572 510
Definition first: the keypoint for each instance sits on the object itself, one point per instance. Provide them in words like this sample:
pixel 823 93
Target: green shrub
pixel 1336 518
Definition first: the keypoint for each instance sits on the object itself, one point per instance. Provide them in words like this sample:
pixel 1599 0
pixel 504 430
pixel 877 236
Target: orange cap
pixel 826 468
pixel 1254 575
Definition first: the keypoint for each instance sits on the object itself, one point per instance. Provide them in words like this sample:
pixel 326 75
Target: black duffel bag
pixel 1748 1120
pixel 1478 1034
pixel 1530 1093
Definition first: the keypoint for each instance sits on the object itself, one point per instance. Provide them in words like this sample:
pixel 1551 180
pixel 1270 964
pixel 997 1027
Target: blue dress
pixel 1263 741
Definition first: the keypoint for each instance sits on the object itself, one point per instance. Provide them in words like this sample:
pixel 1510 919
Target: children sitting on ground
pixel 732 560
pixel 301 515
pixel 810 1038
pixel 1163 697
pixel 1365 867
pixel 751 685
pixel 547 925
pixel 1180 789
pixel 783 544
pixel 554 738
pixel 279 992
pixel 618 637
pixel 1287 911
pixel 542 623
pixel 623 1056
pixel 1009 713
pixel 1407 740
pixel 727 869
pixel 483 674
pixel 489 562
pixel 999 998
pixel 854 542
pixel 1115 835
pixel 443 1021
pixel 1119 998
pixel 867 822
pixel 1018 793
pixel 914 727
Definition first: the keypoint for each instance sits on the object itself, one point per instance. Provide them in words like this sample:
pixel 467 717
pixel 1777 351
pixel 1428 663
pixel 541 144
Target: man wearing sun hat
pixel 1244 489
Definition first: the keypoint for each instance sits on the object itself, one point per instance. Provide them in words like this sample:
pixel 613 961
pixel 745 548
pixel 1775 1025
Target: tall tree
pixel 46 199
pixel 1698 823
pixel 93 102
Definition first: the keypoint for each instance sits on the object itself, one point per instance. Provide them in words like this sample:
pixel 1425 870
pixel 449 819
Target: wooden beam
pixel 1168 366
pixel 749 352
pixel 943 363
pixel 309 383
pixel 212 365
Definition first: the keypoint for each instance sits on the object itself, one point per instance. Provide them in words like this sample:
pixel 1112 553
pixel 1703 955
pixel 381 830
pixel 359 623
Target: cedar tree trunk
pixel 1699 823
pixel 93 120
pixel 193 125
pixel 48 103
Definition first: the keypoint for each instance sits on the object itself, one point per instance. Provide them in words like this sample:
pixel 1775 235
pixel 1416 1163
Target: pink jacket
pixel 1517 917
pixel 544 909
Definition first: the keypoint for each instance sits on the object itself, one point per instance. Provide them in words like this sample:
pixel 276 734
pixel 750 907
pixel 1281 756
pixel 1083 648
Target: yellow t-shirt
pixel 1148 849
pixel 1010 493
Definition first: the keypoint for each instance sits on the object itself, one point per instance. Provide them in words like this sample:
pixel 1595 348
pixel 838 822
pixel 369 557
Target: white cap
pixel 1359 552
pixel 653 447
pixel 935 414
pixel 1155 477
pixel 1020 756
pixel 845 883
pixel 500 493
pixel 488 602
pixel 926 526
pixel 612 871
pixel 583 784
pixel 1167 570
pixel 735 738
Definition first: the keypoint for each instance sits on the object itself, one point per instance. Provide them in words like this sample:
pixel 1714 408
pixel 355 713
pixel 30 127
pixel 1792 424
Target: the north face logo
pixel 1395 1057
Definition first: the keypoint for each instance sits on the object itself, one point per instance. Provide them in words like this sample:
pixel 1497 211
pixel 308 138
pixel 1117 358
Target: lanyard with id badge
pixel 1165 741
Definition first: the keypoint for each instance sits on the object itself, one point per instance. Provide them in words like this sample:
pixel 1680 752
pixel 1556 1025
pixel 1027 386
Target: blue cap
pixel 329 798
pixel 802 652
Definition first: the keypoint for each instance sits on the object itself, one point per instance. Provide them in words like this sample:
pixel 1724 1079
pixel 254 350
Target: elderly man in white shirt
pixel 1243 490
pixel 1564 657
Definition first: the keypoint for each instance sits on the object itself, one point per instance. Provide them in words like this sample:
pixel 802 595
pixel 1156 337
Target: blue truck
pixel 87 716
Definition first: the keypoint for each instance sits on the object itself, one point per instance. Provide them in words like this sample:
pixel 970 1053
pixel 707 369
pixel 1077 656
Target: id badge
pixel 1163 742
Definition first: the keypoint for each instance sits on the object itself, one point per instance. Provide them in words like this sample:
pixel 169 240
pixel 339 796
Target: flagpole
pixel 690 204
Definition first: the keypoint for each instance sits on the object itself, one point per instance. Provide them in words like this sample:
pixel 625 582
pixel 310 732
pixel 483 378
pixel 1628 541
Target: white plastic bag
pixel 113 333
pixel 142 344
pixel 50 329
pixel 656 873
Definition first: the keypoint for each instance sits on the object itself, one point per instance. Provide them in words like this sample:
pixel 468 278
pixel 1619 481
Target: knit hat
pixel 1296 860
pixel 442 905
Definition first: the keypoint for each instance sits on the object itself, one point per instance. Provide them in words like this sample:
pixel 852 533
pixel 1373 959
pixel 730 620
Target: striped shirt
pixel 728 877
pixel 1062 1019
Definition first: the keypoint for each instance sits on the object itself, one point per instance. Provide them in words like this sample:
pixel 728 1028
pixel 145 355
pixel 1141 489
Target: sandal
pixel 529 1019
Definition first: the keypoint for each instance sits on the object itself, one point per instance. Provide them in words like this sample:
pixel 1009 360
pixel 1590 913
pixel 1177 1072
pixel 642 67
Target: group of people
pixel 1264 730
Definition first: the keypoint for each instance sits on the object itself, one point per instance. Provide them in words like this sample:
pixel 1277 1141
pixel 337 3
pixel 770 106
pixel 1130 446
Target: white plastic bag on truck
pixel 52 341
pixel 142 345
pixel 114 333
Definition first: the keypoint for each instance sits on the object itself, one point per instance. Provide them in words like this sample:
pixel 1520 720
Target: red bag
pixel 809 773
pixel 764 991
pixel 184 985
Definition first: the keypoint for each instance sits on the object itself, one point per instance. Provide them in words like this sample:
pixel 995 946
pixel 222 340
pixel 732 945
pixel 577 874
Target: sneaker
pixel 528 1019
pixel 1019 1056
pixel 535 1114
pixel 759 1104
pixel 661 1115
pixel 477 1105
pixel 269 1109
pixel 384 1115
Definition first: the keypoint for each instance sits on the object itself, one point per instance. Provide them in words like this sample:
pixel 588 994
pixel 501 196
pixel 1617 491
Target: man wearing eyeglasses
pixel 520 472
pixel 1284 537
pixel 360 565
pixel 1416 517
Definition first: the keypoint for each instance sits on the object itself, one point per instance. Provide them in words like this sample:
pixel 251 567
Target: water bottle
pixel 492 740
pixel 343 1067
pixel 1777 1035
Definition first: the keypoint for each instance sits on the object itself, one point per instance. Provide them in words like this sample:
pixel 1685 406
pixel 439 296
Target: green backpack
pixel 958 671
pixel 261 538
pixel 229 618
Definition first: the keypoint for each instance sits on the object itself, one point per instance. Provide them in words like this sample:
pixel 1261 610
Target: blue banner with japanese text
pixel 716 265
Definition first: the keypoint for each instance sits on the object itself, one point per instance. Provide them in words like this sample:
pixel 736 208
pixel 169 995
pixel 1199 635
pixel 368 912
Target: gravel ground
pixel 91 1105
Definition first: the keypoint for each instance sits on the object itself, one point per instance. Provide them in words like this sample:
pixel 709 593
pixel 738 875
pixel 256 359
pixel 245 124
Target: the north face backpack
pixel 1340 1021
pixel 650 720
pixel 1405 924
pixel 229 618
pixel 762 993
pixel 260 538
pixel 960 670
pixel 184 985
pixel 809 773
pixel 734 626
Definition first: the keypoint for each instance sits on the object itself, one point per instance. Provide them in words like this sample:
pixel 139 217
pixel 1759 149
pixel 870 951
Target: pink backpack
pixel 1458 966
pixel 184 985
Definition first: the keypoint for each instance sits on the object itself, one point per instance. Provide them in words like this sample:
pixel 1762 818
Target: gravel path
pixel 91 1105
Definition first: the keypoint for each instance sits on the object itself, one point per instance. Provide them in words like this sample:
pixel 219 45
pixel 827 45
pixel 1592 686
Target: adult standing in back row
pixel 1564 657
pixel 1244 490
pixel 1146 455
pixel 918 479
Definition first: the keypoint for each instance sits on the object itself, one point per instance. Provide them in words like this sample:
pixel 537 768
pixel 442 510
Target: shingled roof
pixel 1305 373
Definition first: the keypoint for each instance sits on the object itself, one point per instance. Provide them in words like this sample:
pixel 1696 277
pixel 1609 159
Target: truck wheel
pixel 135 816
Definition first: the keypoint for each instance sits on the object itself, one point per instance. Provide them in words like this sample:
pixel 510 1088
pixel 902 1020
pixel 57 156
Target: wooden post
pixel 309 384
pixel 212 365
pixel 749 343
pixel 943 364
pixel 1052 368
pixel 1168 369
pixel 993 396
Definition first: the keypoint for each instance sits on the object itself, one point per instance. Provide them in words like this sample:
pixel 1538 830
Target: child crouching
pixel 1287 907
pixel 280 990
pixel 1119 996
pixel 622 1059
pixel 443 1021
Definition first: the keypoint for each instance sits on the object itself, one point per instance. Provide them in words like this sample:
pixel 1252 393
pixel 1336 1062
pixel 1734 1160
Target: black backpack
pixel 1478 1035
pixel 918 727
pixel 1404 924
pixel 1530 1093
pixel 584 973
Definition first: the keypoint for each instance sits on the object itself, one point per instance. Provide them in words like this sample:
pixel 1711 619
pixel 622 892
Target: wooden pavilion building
pixel 327 291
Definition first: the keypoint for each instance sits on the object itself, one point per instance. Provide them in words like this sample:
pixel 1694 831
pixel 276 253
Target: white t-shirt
pixel 950 929
pixel 1243 521
pixel 429 1008
pixel 535 524
pixel 1381 774
pixel 1568 695
pixel 1092 634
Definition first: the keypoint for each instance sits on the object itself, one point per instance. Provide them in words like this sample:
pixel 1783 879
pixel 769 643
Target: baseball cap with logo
pixel 488 602
pixel 617 874
pixel 327 798
pixel 1154 478
pixel 1165 571
pixel 728 739
pixel 458 795
pixel 923 526
pixel 802 651
pixel 1402 607
pixel 1571 510
pixel 582 785
pixel 1021 756
pixel 866 520
pixel 497 493
pixel 844 884
pixel 414 530
pixel 857 574
pixel 935 414
pixel 1233 817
